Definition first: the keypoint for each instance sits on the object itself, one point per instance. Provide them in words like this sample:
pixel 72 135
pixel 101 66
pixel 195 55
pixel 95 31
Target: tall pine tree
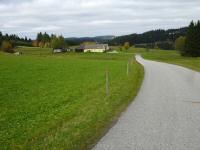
pixel 193 40
pixel 198 37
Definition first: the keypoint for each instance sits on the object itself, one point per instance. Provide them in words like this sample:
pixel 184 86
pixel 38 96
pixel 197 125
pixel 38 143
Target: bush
pixel 6 46
pixel 180 44
pixel 58 43
pixel 126 45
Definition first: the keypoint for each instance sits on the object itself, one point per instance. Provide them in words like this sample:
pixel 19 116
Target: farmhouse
pixel 97 48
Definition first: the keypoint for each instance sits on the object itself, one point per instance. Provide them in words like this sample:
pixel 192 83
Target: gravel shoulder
pixel 165 114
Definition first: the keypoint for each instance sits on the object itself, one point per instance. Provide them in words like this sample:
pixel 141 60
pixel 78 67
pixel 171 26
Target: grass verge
pixel 168 56
pixel 173 57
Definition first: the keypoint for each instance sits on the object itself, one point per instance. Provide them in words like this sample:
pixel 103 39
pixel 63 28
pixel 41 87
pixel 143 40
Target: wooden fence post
pixel 128 68
pixel 107 83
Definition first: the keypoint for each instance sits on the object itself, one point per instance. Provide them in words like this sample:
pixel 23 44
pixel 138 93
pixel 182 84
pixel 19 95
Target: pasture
pixel 59 101
pixel 34 50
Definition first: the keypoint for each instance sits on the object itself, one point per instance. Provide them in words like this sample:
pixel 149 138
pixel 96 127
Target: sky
pixel 80 18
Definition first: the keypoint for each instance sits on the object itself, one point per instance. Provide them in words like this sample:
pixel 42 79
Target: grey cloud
pixel 99 17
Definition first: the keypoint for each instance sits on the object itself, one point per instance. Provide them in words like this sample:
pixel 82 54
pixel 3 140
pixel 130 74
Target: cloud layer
pixel 94 17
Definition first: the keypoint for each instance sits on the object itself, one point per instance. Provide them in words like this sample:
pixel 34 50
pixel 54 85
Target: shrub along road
pixel 164 115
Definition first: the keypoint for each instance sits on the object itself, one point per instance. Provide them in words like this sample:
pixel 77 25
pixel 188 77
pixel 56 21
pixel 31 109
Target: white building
pixel 97 48
pixel 57 51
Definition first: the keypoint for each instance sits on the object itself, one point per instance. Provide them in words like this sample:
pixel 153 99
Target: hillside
pixel 165 37
pixel 150 37
pixel 98 39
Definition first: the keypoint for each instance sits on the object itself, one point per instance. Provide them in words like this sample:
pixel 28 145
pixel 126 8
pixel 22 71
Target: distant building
pixel 60 50
pixel 97 48
pixel 57 51
pixel 18 53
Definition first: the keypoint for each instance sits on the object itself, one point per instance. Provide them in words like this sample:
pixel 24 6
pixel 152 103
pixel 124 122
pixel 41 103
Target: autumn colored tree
pixel 126 45
pixel 35 43
pixel 41 44
pixel 43 40
pixel 58 42
pixel 6 46
pixel 180 44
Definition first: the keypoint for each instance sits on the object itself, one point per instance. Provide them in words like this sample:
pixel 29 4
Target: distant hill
pixel 150 37
pixel 98 39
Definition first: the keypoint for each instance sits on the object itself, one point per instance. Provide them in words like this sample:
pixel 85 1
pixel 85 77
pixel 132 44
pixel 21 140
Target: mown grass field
pixel 168 56
pixel 59 101
pixel 34 51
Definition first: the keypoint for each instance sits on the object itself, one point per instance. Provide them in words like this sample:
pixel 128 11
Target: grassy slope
pixel 59 102
pixel 34 50
pixel 169 57
pixel 174 58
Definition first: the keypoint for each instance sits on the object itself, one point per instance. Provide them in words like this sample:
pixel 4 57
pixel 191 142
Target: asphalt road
pixel 164 116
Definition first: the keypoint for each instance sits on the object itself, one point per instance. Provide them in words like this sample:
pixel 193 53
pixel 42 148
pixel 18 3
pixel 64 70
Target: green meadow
pixel 34 51
pixel 59 101
pixel 168 56
pixel 173 57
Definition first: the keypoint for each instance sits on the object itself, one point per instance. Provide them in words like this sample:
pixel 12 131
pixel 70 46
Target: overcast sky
pixel 94 17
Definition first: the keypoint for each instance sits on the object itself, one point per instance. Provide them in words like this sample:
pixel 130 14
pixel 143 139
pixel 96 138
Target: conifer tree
pixel 193 40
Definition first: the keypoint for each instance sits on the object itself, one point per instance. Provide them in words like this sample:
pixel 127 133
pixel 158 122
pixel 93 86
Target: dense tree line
pixel 162 38
pixel 53 41
pixel 166 45
pixel 193 40
pixel 43 40
pixel 190 44
pixel 15 40
pixel 97 39
pixel 8 42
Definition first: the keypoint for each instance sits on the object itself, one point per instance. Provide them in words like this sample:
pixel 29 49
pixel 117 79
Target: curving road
pixel 164 116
